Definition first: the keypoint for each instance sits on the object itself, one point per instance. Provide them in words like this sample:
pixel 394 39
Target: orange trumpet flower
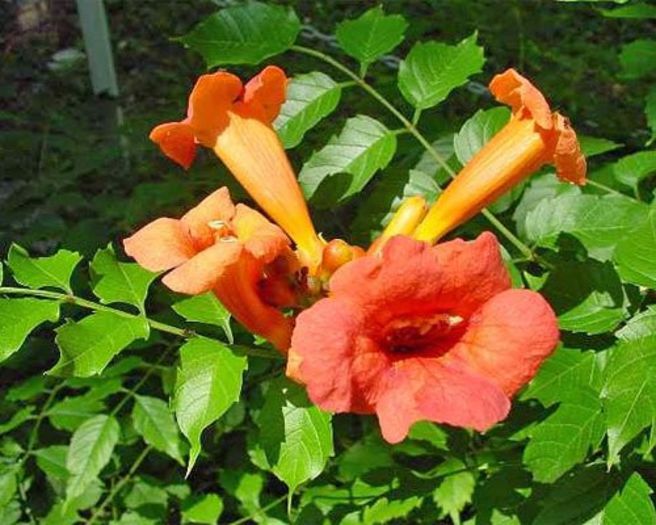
pixel 220 247
pixel 235 121
pixel 533 137
pixel 404 221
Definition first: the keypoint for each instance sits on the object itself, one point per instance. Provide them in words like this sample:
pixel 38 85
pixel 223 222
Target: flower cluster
pixel 408 330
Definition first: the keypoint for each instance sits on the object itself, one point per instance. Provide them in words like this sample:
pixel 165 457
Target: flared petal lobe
pixel 422 333
pixel 533 137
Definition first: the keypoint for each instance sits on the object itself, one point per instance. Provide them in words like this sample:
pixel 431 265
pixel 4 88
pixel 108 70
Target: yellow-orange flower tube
pixel 235 121
pixel 533 137
pixel 404 221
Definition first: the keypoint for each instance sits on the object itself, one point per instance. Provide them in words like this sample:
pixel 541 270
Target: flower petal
pixel 263 239
pixel 161 245
pixel 209 102
pixel 177 142
pixel 456 276
pixel 215 207
pixel 522 96
pixel 265 92
pixel 570 162
pixel 237 288
pixel 430 389
pixel 508 338
pixel 201 273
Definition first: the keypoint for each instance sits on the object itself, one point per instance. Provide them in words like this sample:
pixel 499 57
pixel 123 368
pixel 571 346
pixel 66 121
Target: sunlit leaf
pixel 18 317
pixel 591 146
pixel 17 419
pixel 650 113
pixel 153 420
pixel 634 10
pixel 639 326
pixel 636 252
pixel 344 166
pixel 433 69
pixel 371 35
pixel 244 34
pixel 86 347
pixel 89 451
pixel 629 392
pixel 120 282
pixel 207 309
pixel 40 272
pixel 566 436
pixel 477 131
pixel 309 99
pixel 295 436
pixel 71 412
pixel 634 168
pixel 208 382
pixel 598 222
pixel 456 489
pixel 205 508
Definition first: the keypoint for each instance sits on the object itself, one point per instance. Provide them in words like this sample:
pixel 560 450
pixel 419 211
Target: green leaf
pixel 433 69
pixel 309 99
pixel 586 295
pixel 86 347
pixel 629 392
pixel 591 146
pixel 385 510
pixel 349 160
pixel 578 497
pixel 17 419
pixel 636 252
pixel 634 168
pixel 52 461
pixel 477 131
pixel 208 382
pixel 71 412
pixel 370 36
pixel 18 317
pixel 637 10
pixel 639 326
pixel 565 437
pixel 145 493
pixel 638 58
pixel 456 489
pixel 54 271
pixel 650 113
pixel 27 390
pixel 598 222
pixel 154 422
pixel 207 309
pixel 631 505
pixel 90 449
pixel 119 282
pixel 295 436
pixel 202 509
pixel 566 371
pixel 244 34
pixel 8 484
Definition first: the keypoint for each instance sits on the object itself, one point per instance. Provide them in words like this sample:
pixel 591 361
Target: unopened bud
pixel 337 253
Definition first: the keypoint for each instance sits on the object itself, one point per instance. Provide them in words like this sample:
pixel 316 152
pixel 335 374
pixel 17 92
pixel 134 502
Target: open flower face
pixel 533 137
pixel 235 121
pixel 423 333
pixel 221 247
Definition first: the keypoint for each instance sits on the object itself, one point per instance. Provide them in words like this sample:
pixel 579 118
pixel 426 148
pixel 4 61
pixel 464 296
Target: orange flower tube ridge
pixel 533 137
pixel 235 121
pixel 418 332
pixel 220 247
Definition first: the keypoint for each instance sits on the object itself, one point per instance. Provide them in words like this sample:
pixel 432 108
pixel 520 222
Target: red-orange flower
pixel 533 137
pixel 221 247
pixel 235 121
pixel 423 333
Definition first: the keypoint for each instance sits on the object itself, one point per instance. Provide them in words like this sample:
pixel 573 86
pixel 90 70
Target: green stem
pixel 118 486
pixel 155 325
pixel 412 129
pixel 608 189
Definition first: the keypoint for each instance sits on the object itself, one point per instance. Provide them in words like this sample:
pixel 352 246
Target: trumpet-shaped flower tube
pixel 533 137
pixel 235 121
pixel 404 221
pixel 220 247
pixel 422 333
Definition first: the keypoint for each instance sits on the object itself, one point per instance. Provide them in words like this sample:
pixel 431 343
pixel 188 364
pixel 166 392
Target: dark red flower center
pixel 414 333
